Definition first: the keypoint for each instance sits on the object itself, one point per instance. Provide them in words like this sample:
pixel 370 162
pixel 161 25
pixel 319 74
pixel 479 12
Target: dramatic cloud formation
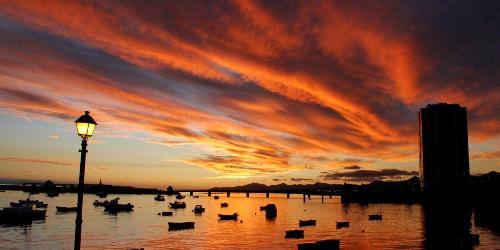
pixel 369 175
pixel 300 179
pixel 353 167
pixel 260 86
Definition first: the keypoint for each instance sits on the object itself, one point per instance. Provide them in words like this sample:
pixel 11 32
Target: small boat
pixel 52 193
pixel 228 216
pixel 294 234
pixel 24 213
pixel 102 194
pixel 42 205
pixel 1 190
pixel 375 217
pixel 180 225
pixel 266 206
pixel 65 209
pixel 196 196
pixel 167 213
pixel 216 197
pixel 271 211
pixel 341 224
pixel 113 206
pixel 37 203
pixel 180 197
pixel 303 223
pixel 177 204
pixel 159 197
pixel 224 204
pixel 333 244
pixel 100 203
pixel 198 209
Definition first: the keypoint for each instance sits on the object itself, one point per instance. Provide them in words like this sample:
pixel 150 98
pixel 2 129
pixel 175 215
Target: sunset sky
pixel 221 93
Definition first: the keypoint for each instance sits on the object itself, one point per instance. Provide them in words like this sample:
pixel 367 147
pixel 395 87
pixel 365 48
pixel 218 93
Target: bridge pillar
pixel 330 195
pixel 209 193
pixel 304 197
pixel 322 198
pixel 309 195
pixel 191 193
pixel 248 194
pixel 267 195
pixel 287 195
pixel 228 194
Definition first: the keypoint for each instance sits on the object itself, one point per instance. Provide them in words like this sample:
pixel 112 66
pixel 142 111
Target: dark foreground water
pixel 402 226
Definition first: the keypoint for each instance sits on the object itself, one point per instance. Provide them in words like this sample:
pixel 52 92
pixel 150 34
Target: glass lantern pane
pixel 90 130
pixel 82 128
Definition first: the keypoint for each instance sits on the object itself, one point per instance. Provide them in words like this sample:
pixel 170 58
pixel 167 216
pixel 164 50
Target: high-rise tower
pixel 444 150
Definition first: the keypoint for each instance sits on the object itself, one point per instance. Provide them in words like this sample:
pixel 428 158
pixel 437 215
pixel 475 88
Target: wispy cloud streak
pixel 257 85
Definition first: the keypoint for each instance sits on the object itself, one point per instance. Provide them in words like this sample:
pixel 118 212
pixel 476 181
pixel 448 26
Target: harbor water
pixel 402 227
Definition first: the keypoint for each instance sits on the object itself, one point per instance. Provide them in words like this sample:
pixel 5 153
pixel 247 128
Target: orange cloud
pixel 257 85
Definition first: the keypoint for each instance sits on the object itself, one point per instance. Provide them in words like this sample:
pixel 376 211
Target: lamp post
pixel 85 126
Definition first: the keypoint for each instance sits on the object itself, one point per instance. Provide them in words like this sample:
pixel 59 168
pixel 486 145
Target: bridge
pixel 304 193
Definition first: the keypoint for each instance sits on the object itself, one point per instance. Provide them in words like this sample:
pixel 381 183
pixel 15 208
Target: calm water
pixel 401 228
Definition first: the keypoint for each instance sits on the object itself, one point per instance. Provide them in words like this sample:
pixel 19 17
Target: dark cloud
pixel 353 167
pixel 300 179
pixel 368 175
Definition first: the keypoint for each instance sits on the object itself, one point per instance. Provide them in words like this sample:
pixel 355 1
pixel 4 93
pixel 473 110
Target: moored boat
pixel 159 197
pixel 42 205
pixel 23 213
pixel 228 216
pixel 294 234
pixel 303 223
pixel 224 204
pixel 332 244
pixel 52 193
pixel 100 203
pixel 198 209
pixel 216 197
pixel 180 225
pixel 65 209
pixel 113 206
pixel 375 217
pixel 271 211
pixel 28 201
pixel 180 197
pixel 341 224
pixel 177 204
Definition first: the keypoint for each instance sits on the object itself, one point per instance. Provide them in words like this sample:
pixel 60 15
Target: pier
pixel 269 193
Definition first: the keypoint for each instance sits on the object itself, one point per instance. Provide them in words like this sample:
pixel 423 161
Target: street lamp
pixel 85 126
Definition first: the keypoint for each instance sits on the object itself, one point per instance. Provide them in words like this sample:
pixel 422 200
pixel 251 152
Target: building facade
pixel 444 150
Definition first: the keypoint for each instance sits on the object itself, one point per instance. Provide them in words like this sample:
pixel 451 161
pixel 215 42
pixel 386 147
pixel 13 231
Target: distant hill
pixel 414 181
pixel 281 186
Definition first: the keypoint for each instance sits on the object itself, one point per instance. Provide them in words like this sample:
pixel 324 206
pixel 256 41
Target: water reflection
pixel 447 225
pixel 403 226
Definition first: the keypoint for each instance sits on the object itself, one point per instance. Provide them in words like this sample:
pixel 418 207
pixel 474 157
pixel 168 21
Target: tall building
pixel 444 150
